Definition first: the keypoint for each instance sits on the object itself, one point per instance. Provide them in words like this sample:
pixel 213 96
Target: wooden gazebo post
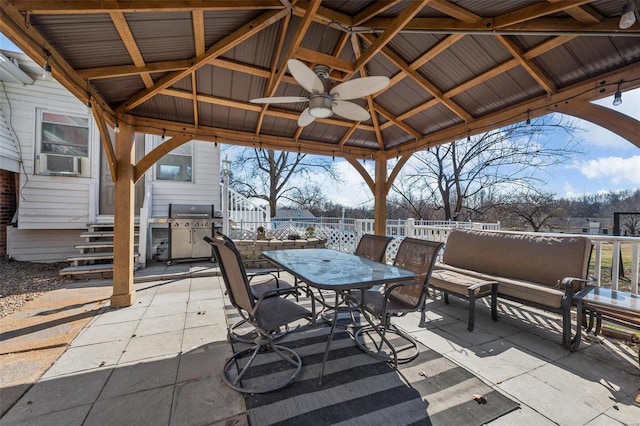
pixel 380 191
pixel 123 251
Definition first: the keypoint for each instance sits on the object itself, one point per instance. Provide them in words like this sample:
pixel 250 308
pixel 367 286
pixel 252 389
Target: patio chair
pixel 261 282
pixel 380 306
pixel 266 314
pixel 372 247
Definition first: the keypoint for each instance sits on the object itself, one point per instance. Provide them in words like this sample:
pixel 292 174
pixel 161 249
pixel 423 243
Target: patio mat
pixel 359 389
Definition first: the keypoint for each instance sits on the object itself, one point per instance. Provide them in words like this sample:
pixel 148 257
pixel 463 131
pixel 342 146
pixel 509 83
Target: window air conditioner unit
pixel 63 165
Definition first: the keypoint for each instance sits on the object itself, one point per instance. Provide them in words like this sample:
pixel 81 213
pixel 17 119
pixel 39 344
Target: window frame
pixel 175 153
pixel 82 161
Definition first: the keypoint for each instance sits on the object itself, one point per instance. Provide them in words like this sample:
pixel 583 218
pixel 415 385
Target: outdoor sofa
pixel 535 270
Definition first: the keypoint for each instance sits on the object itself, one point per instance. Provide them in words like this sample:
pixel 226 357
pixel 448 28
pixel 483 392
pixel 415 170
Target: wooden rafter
pixel 536 10
pixel 227 43
pixel 31 42
pixel 374 9
pixel 535 51
pixel 130 44
pixel 274 63
pixel 531 68
pixel 454 11
pixel 422 81
pixel 395 26
pixel 355 45
pixel 440 47
pixel 590 89
pixel 60 7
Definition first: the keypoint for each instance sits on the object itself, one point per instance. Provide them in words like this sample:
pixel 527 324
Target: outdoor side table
pixel 619 307
pixel 466 287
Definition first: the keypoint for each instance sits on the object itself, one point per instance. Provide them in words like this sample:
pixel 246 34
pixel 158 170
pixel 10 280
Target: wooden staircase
pixel 95 257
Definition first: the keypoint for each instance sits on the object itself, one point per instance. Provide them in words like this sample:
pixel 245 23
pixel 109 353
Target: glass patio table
pixel 327 269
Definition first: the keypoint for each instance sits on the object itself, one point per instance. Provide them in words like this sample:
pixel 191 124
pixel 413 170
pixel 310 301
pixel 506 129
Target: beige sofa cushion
pixel 445 276
pixel 540 259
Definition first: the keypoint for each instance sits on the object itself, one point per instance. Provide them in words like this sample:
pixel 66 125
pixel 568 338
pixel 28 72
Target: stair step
pixel 91 271
pixel 85 269
pixel 97 245
pixel 101 234
pixel 92 256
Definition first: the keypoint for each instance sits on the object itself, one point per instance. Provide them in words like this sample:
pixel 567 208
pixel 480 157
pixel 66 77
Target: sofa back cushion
pixel 539 258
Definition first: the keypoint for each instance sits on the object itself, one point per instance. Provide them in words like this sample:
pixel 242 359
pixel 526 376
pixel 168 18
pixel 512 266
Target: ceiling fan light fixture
pixel 320 106
pixel 628 17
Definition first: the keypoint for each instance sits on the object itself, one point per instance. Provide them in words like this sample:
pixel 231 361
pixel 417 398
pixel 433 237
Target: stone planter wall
pixel 252 250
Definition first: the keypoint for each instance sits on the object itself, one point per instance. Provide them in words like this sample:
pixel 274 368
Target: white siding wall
pixel 205 189
pixel 49 202
pixel 9 149
pixel 42 245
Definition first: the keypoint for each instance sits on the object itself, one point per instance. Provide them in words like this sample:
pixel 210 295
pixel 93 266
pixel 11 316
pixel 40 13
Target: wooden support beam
pixel 123 248
pixel 612 120
pixel 78 7
pixel 157 153
pixel 380 197
pixel 105 140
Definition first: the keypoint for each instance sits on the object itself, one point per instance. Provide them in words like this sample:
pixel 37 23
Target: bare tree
pixel 509 158
pixel 536 209
pixel 627 202
pixel 277 175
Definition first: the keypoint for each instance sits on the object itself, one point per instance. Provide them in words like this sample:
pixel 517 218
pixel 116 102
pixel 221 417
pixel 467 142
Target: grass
pixel 624 282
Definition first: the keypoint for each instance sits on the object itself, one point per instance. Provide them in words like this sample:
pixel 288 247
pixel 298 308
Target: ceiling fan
pixel 325 101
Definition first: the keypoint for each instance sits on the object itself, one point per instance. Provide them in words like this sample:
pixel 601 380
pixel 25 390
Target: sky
pixel 607 163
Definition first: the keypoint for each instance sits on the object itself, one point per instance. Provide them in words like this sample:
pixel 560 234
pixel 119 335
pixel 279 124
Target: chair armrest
pixel 570 289
pixel 568 281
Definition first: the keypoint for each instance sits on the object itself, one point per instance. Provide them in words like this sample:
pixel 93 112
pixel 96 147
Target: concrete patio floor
pixel 160 361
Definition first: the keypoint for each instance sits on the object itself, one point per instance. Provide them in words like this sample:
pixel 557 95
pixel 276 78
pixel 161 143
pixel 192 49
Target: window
pixel 63 144
pixel 176 165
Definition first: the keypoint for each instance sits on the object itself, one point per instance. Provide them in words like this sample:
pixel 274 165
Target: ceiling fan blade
pixel 279 100
pixel 359 88
pixel 305 76
pixel 350 110
pixel 305 118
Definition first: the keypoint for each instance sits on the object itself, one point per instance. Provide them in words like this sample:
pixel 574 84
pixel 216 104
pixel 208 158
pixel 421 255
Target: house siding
pixel 205 188
pixel 9 149
pixel 7 206
pixel 42 245
pixel 48 202
pixel 52 211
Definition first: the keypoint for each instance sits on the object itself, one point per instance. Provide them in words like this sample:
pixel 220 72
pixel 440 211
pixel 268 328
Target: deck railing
pixel 343 234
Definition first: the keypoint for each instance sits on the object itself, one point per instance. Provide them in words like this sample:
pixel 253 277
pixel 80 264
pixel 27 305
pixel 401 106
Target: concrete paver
pixel 160 361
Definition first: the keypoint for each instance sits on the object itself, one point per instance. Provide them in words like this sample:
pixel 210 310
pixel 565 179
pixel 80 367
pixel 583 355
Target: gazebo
pixel 189 69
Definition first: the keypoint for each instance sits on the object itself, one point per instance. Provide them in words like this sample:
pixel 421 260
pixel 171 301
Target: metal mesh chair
pixel 267 314
pixel 380 306
pixel 372 247
pixel 261 283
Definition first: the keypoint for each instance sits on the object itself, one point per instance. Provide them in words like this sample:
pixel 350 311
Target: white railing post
pixel 615 265
pixel 634 267
pixel 410 227
pixel 598 265
pixel 144 244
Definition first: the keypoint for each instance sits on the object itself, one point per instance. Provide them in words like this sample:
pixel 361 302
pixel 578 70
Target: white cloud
pixel 618 170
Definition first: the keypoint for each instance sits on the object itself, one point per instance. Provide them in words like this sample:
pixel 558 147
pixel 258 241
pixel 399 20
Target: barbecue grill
pixel 188 224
